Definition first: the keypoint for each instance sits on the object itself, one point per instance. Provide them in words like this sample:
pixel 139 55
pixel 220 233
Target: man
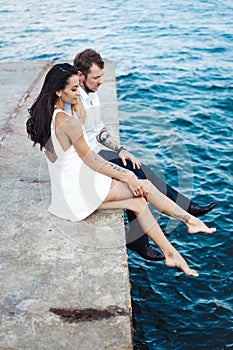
pixel 90 71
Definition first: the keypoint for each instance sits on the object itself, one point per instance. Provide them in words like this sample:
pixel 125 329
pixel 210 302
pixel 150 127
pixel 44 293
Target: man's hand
pixel 125 155
pixel 106 139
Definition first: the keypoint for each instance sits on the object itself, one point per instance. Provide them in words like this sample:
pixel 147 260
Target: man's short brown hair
pixel 85 59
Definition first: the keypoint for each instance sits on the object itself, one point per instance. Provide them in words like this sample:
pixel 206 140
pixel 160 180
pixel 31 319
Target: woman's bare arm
pixel 73 130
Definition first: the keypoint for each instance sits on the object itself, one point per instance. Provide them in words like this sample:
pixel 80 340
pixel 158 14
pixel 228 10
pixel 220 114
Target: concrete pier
pixel 63 285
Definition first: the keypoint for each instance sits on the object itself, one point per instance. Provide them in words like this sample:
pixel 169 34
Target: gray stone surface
pixel 47 262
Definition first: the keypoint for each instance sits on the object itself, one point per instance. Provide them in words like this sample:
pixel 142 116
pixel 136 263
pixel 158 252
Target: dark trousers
pixel 136 236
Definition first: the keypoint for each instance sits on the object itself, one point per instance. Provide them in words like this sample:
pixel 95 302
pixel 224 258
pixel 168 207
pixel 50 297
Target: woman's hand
pixel 137 187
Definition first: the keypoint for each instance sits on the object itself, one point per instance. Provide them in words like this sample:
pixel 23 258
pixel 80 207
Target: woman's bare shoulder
pixel 69 126
pixel 64 120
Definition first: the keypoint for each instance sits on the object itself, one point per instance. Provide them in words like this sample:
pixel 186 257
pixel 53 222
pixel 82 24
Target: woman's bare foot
pixel 174 259
pixel 195 225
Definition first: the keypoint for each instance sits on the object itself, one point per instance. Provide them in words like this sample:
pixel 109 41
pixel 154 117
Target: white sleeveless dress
pixel 77 191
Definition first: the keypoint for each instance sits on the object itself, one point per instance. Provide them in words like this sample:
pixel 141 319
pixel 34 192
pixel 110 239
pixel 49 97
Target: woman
pixel 82 181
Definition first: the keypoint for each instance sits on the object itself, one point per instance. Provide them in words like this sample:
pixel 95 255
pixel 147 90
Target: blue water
pixel 174 68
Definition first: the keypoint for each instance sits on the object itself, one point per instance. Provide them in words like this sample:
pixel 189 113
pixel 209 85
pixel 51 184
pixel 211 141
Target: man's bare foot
pixel 174 259
pixel 195 225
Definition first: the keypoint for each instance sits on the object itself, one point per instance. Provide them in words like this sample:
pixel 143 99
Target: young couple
pixel 83 179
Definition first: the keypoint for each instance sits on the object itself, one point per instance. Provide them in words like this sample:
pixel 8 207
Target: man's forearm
pixel 106 139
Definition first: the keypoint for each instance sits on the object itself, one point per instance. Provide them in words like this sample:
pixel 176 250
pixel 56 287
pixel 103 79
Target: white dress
pixel 77 190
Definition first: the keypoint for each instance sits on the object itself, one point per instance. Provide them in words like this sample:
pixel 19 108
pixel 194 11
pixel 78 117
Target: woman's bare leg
pixel 168 207
pixel 160 202
pixel 147 222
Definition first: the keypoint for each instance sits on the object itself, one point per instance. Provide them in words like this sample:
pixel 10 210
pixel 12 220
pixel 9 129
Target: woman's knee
pixel 146 182
pixel 138 204
pixel 146 185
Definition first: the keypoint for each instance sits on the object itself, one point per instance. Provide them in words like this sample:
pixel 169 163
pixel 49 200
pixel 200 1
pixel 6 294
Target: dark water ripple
pixel 174 78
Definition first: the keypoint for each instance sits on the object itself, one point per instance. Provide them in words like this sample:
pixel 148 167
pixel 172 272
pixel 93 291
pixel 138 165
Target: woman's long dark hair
pixel 40 113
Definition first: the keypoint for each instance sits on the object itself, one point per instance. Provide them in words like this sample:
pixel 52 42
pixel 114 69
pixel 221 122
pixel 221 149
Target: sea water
pixel 174 82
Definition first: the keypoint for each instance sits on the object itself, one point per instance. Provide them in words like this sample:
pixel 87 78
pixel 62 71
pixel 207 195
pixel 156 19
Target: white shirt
pixel 93 123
